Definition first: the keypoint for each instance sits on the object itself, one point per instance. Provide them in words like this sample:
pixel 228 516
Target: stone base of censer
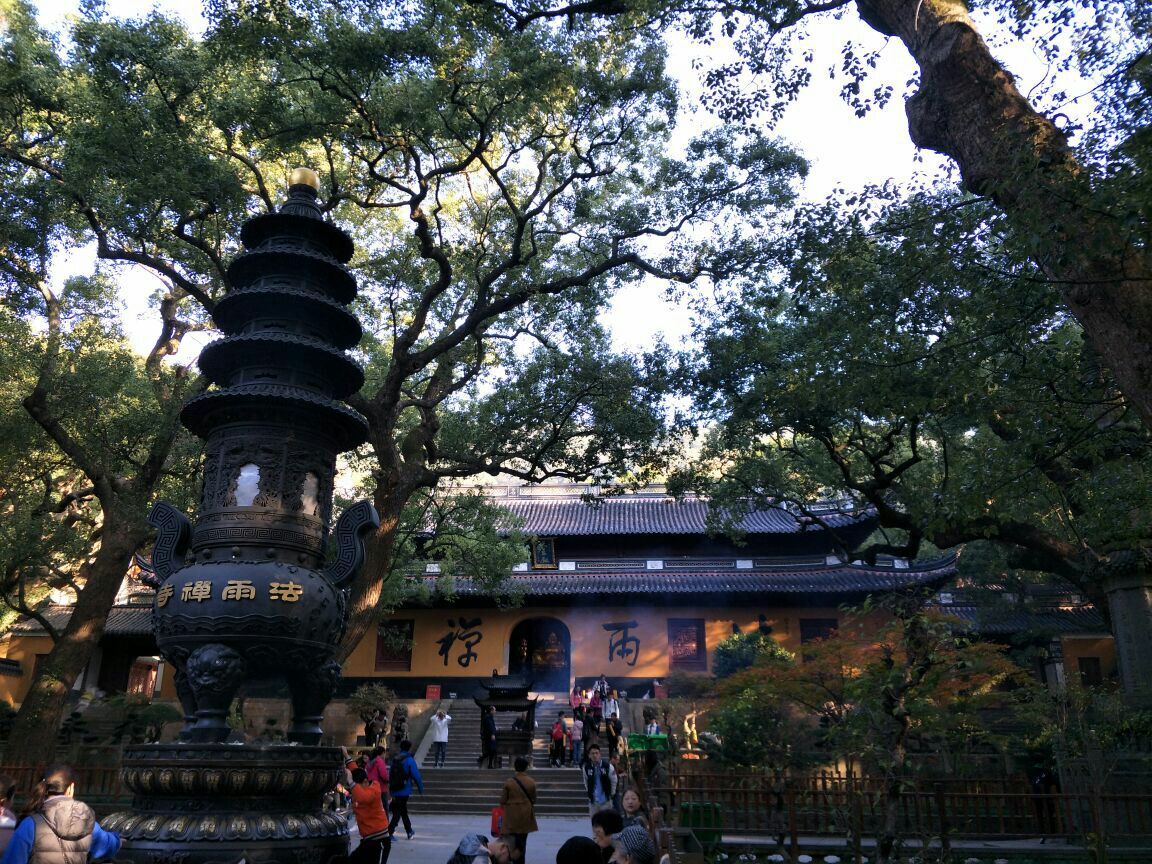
pixel 222 803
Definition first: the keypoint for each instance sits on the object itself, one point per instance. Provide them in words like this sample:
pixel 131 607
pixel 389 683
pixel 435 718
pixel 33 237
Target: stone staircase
pixel 461 787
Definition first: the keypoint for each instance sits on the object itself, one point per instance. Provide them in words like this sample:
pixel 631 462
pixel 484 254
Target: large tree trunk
pixel 1130 603
pixel 389 498
pixel 890 822
pixel 364 596
pixel 34 730
pixel 968 108
pixel 889 833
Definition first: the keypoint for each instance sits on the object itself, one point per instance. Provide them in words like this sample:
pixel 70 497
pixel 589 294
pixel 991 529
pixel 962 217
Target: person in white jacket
pixel 440 737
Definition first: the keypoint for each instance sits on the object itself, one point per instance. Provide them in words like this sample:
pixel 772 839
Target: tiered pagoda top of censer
pixel 254 598
pixel 246 594
pixel 281 364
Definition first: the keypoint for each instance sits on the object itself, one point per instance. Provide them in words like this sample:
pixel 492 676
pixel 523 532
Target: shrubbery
pixel 744 650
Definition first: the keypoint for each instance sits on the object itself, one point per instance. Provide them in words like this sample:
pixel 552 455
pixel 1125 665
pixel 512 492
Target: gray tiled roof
pixel 134 620
pixel 57 616
pixel 567 515
pixel 824 579
pixel 1057 621
pixel 130 620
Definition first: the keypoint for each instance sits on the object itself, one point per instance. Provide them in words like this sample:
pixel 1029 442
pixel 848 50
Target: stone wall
pixel 341 727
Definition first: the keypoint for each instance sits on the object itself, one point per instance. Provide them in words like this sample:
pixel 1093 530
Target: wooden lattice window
pixel 394 645
pixel 687 646
pixel 1091 674
pixel 812 629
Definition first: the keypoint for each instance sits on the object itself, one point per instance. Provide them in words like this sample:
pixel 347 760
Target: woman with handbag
pixel 518 798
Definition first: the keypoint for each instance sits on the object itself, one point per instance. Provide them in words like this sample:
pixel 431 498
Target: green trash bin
pixel 704 818
pixel 657 742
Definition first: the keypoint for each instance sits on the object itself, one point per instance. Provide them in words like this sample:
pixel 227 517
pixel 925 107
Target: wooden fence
pixel 754 803
pixel 751 802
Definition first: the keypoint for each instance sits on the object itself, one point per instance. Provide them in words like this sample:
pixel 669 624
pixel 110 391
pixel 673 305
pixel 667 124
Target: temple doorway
pixel 541 650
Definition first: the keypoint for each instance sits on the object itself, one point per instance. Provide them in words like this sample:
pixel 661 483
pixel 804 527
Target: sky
pixel 843 150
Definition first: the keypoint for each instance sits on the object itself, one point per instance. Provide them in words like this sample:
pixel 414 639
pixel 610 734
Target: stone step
pixel 453 790
pixel 469 760
pixel 556 777
pixel 485 803
pixel 477 790
pixel 460 787
pixel 484 807
pixel 464 738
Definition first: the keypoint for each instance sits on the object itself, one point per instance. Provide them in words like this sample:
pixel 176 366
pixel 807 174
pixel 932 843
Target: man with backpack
pixel 559 741
pixel 402 775
pixel 599 781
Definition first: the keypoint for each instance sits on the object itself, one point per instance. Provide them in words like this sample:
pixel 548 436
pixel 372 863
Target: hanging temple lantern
pixel 247 590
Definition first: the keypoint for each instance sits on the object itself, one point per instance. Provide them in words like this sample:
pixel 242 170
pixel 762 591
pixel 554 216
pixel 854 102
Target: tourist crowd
pixel 58 829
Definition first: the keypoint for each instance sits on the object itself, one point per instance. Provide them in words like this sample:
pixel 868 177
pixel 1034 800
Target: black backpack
pixel 397 774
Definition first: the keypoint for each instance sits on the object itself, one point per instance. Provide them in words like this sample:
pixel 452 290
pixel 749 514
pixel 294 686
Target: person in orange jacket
pixel 371 818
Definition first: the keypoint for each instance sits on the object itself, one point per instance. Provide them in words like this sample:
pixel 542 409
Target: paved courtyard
pixel 437 836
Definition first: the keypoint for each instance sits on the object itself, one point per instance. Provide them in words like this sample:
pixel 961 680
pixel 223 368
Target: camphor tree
pixel 90 437
pixel 1081 213
pixel 37 554
pixel 919 365
pixel 500 186
pixel 80 477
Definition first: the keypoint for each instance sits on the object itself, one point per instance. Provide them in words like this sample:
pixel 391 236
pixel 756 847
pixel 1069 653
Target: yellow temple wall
pixel 590 642
pixel 167 688
pixel 23 649
pixel 1102 648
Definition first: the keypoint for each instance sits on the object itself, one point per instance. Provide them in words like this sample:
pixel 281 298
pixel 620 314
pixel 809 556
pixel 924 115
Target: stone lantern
pixel 249 589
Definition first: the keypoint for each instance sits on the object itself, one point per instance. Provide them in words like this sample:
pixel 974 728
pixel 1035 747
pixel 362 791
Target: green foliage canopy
pixel 500 186
pixel 915 361
pixel 1075 197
